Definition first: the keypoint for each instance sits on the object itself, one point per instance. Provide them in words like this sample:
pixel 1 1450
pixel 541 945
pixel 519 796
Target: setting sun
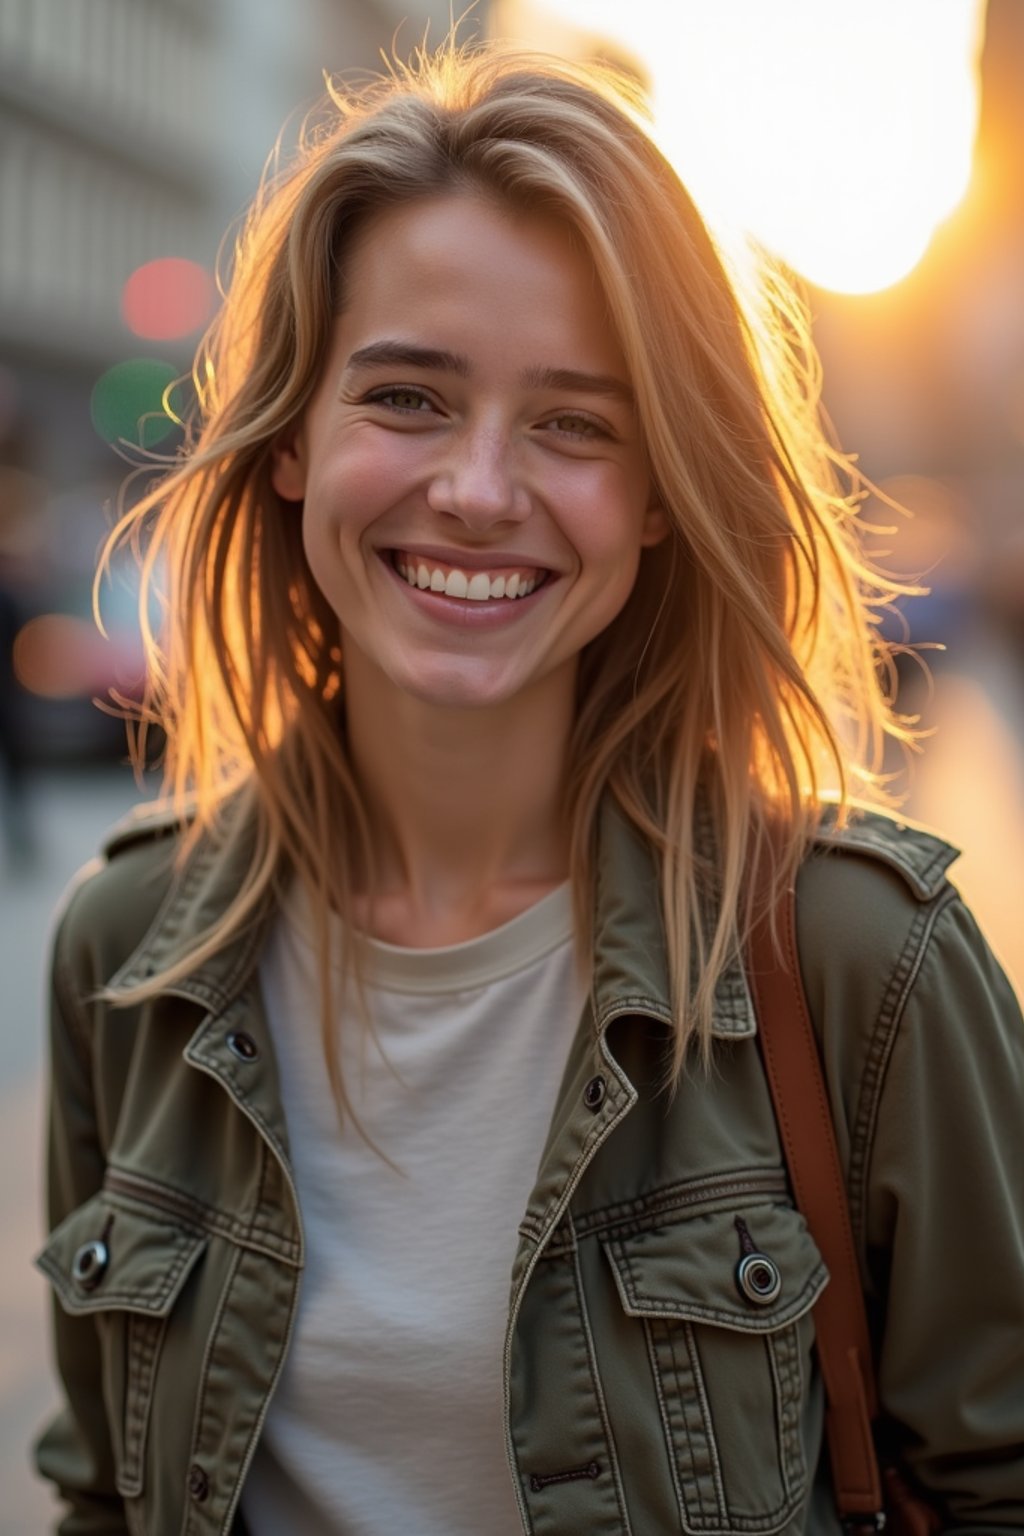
pixel 838 136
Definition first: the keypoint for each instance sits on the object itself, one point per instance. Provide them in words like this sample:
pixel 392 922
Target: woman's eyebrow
pixel 391 354
pixel 578 382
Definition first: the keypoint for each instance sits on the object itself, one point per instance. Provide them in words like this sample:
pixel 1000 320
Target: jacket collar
pixel 197 896
pixel 630 958
pixel 630 962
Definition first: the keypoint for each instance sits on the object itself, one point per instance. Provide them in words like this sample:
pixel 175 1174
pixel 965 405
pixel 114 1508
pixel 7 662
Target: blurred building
pixel 135 129
pixel 130 131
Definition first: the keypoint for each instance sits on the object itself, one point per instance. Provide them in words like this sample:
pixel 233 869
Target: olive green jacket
pixel 645 1392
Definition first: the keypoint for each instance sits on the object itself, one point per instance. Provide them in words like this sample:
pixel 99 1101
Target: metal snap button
pixel 594 1092
pixel 198 1483
pixel 89 1264
pixel 243 1045
pixel 759 1279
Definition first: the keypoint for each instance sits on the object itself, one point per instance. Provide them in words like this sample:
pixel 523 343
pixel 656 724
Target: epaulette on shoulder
pixel 143 823
pixel 918 855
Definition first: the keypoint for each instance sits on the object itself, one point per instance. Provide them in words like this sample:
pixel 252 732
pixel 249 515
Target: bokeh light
pixel 838 136
pixel 127 402
pixel 167 299
pixel 59 656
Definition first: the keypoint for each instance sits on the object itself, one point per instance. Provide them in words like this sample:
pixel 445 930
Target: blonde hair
pixel 743 668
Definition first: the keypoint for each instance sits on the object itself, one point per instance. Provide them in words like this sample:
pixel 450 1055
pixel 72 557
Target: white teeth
pixel 477 586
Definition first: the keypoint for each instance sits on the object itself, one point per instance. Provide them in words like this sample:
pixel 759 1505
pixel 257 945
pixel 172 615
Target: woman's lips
pixel 467 612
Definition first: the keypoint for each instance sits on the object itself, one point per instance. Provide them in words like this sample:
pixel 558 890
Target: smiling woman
pixel 517 662
pixel 472 422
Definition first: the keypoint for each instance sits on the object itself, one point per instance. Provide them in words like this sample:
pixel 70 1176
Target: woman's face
pixel 475 495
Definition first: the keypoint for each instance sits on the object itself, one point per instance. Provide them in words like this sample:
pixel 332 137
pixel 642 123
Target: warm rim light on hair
pixel 743 679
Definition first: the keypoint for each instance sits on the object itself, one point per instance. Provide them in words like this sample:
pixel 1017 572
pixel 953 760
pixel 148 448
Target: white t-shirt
pixel 388 1415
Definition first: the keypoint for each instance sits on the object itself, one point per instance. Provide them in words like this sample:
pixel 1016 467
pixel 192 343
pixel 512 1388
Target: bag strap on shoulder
pixel 801 1101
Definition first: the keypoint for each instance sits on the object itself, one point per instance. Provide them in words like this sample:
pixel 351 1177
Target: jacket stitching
pixel 599 1128
pixel 191 1517
pixel 595 1378
pixel 180 890
pixel 699 1482
pixel 168 925
pixel 186 1241
pixel 631 1002
pixel 784 1359
pixel 665 1420
pixel 936 856
pixel 205 1217
pixel 688 1193
pixel 603 1127
pixel 230 1524
pixel 261 1188
pixel 874 1060
pixel 887 1025
pixel 213 1064
pixel 144 1338
pixel 711 1442
pixel 646 1305
pixel 686 1392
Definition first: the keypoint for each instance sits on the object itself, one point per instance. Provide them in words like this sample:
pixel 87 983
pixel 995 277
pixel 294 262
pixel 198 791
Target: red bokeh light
pixel 169 298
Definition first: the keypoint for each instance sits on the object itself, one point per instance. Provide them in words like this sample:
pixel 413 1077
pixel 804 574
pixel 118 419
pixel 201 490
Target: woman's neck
pixel 466 806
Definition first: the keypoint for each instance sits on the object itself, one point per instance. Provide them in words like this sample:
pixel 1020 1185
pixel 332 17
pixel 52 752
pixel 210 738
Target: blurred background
pixel 878 149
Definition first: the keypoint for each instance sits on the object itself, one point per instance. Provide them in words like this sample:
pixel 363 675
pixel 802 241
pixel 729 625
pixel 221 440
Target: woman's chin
pixel 458 689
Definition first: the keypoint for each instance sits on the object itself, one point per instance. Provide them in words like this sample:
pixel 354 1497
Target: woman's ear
pixel 656 525
pixel 288 464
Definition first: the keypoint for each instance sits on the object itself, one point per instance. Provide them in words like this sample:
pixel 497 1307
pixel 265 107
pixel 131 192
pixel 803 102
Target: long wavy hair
pixel 745 667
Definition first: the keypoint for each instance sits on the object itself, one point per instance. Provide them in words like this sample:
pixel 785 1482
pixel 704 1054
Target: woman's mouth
pixel 472 585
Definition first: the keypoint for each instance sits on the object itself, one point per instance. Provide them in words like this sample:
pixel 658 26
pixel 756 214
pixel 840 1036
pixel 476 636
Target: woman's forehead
pixel 458 271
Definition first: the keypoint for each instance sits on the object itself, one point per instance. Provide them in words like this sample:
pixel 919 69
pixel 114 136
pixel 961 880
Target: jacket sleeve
pixel 946 1219
pixel 74 1451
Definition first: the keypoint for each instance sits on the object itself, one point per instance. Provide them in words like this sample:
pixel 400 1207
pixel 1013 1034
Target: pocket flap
pixel 105 1255
pixel 690 1269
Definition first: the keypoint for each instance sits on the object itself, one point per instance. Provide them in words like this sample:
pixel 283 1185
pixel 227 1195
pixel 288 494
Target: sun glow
pixel 839 136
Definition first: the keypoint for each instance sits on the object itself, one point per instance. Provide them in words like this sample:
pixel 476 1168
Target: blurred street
pixel 70 811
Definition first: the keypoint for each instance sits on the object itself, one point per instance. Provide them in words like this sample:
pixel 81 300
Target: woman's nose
pixel 478 481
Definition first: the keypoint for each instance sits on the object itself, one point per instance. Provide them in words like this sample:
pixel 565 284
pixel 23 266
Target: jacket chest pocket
pixel 124 1267
pixel 729 1346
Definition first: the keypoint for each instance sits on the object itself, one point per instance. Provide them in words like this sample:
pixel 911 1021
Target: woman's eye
pixel 571 425
pixel 402 399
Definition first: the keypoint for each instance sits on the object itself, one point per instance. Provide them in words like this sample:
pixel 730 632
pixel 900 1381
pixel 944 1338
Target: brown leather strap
pixel 794 1073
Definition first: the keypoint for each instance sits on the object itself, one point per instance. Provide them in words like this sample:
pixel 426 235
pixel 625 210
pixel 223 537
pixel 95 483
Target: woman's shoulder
pixel 112 901
pixel 892 960
pixel 868 896
pixel 163 879
pixel 919 856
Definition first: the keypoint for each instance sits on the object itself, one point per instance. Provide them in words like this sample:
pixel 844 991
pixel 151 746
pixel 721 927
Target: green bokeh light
pixel 127 402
